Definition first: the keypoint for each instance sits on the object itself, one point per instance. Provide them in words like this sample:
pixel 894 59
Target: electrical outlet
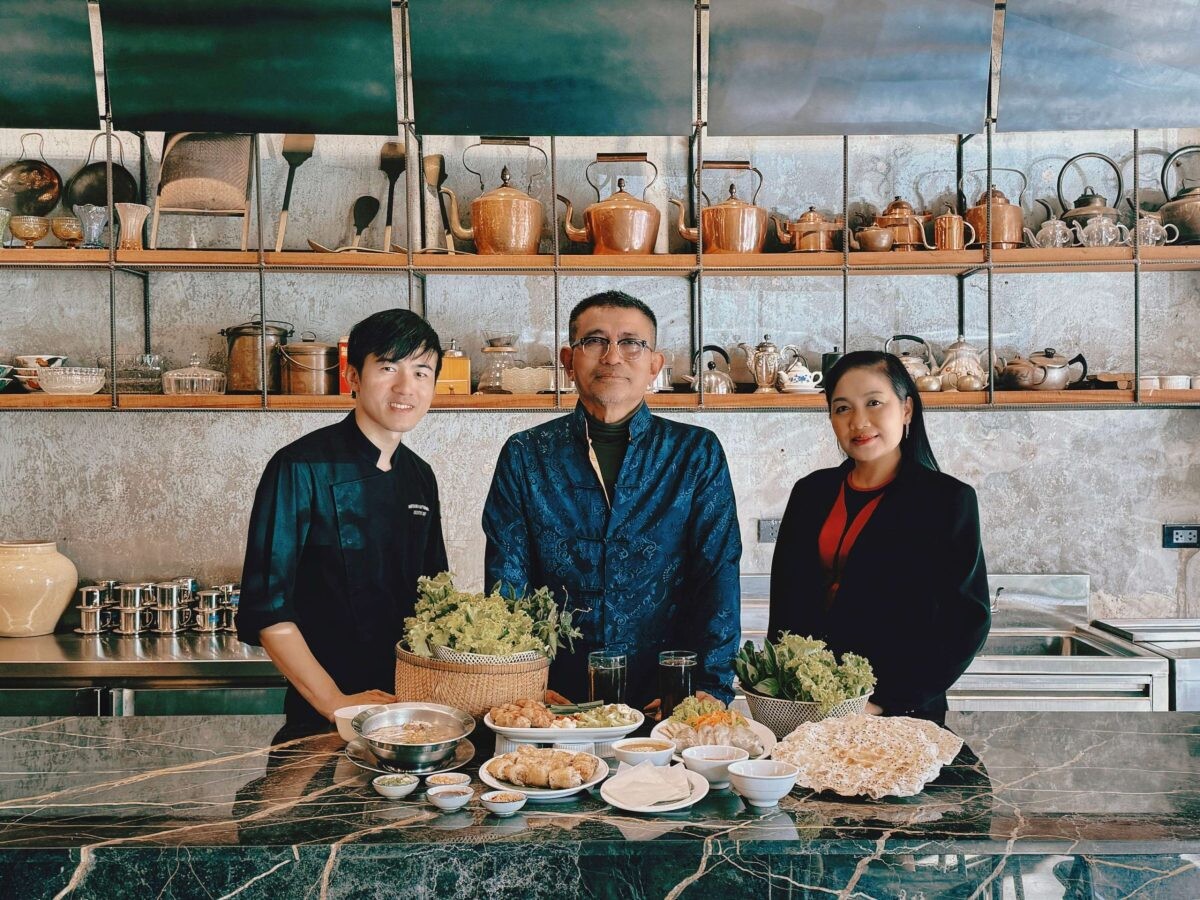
pixel 768 530
pixel 1177 536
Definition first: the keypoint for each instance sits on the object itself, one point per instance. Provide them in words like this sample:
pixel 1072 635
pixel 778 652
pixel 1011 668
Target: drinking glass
pixel 132 216
pixel 94 218
pixel 606 676
pixel 675 669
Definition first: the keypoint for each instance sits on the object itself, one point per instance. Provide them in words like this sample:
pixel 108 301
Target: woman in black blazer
pixel 882 555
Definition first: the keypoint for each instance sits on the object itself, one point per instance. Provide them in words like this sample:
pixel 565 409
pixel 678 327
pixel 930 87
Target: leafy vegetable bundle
pixel 803 669
pixel 492 624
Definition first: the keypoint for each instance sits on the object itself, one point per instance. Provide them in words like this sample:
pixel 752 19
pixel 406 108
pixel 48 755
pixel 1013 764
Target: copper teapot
pixel 1089 204
pixel 503 220
pixel 1182 210
pixel 1008 219
pixel 811 233
pixel 731 226
pixel 622 224
pixel 907 226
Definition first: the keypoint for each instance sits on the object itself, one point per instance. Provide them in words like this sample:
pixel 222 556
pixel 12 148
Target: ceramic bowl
pixel 46 360
pixel 499 807
pixel 624 752
pixel 5 382
pixel 395 786
pixel 713 761
pixel 450 796
pixel 762 782
pixel 443 779
pixel 5 371
pixel 345 716
pixel 29 382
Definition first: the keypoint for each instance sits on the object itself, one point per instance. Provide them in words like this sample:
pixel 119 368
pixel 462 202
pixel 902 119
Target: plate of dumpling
pixel 543 774
pixel 696 722
pixel 532 720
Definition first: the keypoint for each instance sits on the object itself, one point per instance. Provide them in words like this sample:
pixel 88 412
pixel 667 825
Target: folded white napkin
pixel 647 784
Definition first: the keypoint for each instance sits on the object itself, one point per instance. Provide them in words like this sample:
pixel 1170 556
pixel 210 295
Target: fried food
pixel 526 713
pixel 543 768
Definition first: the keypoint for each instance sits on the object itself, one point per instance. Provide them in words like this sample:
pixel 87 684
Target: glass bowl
pixel 70 380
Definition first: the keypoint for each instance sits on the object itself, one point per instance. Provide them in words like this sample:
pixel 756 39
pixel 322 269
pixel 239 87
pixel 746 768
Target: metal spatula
pixel 435 176
pixel 365 210
pixel 296 149
pixel 391 163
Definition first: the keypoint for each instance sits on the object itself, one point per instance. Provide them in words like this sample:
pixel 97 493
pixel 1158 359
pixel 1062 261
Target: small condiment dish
pixel 498 805
pixel 628 751
pixel 712 761
pixel 395 786
pixel 450 796
pixel 345 716
pixel 443 779
pixel 762 782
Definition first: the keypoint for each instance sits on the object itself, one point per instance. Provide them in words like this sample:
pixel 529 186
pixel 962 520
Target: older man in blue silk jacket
pixel 628 517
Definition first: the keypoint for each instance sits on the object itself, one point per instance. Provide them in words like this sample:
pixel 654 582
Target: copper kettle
pixel 732 226
pixel 1182 210
pixel 503 220
pixel 811 233
pixel 1008 219
pixel 620 224
pixel 907 226
pixel 1089 205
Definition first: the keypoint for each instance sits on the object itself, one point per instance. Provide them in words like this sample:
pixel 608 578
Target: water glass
pixel 675 669
pixel 606 676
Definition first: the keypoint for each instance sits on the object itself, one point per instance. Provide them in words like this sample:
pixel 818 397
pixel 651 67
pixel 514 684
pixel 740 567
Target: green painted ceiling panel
pixel 266 66
pixel 47 78
pixel 549 67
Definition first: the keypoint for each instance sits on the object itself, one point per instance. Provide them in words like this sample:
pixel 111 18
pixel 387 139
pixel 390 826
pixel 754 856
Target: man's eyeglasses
pixel 597 347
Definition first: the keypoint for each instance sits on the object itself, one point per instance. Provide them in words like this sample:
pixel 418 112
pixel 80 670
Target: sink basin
pixel 1041 645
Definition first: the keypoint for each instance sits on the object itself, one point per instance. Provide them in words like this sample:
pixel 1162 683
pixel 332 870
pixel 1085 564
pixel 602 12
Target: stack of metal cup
pixel 96 602
pixel 232 596
pixel 208 618
pixel 173 612
pixel 134 610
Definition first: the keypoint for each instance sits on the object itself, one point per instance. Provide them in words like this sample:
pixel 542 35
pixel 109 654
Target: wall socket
pixel 768 530
pixel 1176 536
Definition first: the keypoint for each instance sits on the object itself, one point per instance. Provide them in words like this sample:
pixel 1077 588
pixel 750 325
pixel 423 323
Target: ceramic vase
pixel 36 586
pixel 132 217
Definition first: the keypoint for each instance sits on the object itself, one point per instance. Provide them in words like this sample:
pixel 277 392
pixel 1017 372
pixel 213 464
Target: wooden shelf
pixel 53 258
pixel 189 401
pixel 1062 398
pixel 469 262
pixel 152 260
pixel 40 400
pixel 584 264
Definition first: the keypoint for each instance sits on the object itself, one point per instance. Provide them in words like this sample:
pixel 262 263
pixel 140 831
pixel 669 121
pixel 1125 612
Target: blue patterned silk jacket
pixel 657 571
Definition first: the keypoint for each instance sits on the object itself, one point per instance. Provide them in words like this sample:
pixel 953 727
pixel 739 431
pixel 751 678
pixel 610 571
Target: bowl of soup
pixel 638 750
pixel 412 735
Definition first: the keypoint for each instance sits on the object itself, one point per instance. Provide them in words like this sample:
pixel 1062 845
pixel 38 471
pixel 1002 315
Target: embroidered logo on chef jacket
pixel 419 509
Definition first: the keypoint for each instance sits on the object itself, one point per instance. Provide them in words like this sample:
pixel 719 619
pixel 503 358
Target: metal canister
pixel 209 601
pixel 190 585
pixel 245 349
pixel 308 367
pixel 94 619
pixel 110 591
pixel 91 597
pixel 172 619
pixel 170 595
pixel 208 620
pixel 133 620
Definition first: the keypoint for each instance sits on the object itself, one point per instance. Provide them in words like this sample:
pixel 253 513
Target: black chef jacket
pixel 336 546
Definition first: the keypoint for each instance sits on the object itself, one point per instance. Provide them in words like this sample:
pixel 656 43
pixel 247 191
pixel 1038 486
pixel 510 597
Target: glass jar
pixel 193 379
pixel 495 362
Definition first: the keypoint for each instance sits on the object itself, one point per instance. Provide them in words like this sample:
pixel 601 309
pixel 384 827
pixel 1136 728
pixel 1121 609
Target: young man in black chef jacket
pixel 345 520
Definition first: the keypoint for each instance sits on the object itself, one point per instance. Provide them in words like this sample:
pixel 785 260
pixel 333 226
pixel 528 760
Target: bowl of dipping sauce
pixel 503 803
pixel 394 786
pixel 712 761
pixel 446 778
pixel 450 796
pixel 638 750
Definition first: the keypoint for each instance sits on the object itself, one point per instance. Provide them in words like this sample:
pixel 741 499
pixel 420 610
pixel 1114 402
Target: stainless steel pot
pixel 412 755
pixel 245 360
pixel 308 367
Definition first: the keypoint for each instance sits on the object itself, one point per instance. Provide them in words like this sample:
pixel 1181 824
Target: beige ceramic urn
pixel 36 585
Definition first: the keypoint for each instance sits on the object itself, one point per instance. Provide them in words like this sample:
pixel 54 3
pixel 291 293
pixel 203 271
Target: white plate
pixel 699 790
pixel 537 795
pixel 803 391
pixel 765 734
pixel 564 735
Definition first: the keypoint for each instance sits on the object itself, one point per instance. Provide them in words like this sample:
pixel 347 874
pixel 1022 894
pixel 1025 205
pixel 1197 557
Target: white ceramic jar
pixel 36 585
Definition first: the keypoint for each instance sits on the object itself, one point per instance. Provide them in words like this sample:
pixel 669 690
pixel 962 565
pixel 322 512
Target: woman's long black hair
pixel 915 446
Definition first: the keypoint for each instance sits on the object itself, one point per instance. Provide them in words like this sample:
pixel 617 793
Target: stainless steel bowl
pixel 412 755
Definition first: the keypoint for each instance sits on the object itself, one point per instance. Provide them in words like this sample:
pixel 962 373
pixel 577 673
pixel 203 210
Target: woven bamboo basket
pixel 474 687
pixel 785 716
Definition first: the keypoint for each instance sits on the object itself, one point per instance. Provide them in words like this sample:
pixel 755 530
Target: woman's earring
pixel 906 431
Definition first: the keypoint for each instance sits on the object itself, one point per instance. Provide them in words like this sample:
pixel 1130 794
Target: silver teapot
pixel 766 361
pixel 712 379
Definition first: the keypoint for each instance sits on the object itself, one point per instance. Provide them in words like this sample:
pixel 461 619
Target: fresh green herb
pixel 803 668
pixel 492 624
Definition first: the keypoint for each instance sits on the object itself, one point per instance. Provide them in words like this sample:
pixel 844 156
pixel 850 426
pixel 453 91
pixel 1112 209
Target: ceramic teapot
pixel 620 224
pixel 712 379
pixel 796 377
pixel 961 360
pixel 1044 371
pixel 731 226
pixel 1089 205
pixel 918 364
pixel 766 361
